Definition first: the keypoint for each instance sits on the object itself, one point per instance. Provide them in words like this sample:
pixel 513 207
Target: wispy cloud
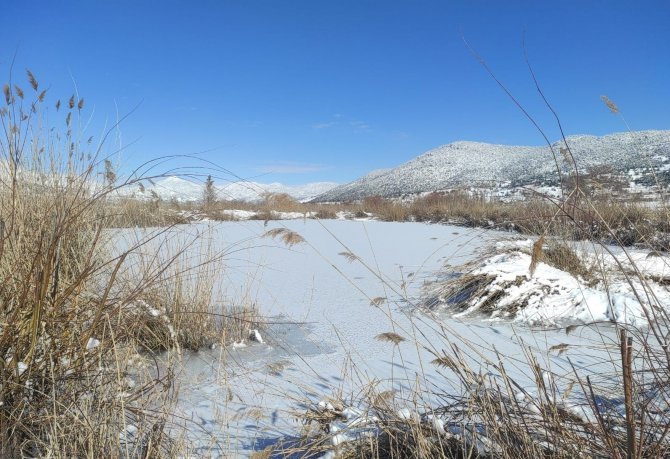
pixel 324 125
pixel 341 121
pixel 359 125
pixel 285 167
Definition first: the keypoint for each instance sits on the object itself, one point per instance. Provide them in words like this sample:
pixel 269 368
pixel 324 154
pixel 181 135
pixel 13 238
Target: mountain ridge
pixel 180 189
pixel 467 164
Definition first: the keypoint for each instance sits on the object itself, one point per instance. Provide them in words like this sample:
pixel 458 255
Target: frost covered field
pixel 345 327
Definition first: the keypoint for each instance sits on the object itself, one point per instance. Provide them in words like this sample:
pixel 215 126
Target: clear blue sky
pixel 309 90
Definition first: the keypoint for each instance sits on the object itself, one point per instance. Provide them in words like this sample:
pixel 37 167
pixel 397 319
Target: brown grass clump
pixel 73 326
pixel 462 292
pixel 280 202
pixel 621 223
pixel 174 302
pixel 63 363
pixel 385 209
pixel 325 214
pixel 132 212
pixel 564 257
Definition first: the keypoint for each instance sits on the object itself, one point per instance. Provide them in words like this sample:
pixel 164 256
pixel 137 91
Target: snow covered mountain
pixel 180 189
pixel 480 165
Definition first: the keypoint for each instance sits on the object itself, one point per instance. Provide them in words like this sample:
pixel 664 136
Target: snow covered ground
pixel 625 284
pixel 328 300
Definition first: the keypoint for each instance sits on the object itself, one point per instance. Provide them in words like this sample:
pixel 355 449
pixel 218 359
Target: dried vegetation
pixel 79 372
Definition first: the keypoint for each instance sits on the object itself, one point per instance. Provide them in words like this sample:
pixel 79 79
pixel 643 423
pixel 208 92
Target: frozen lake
pixel 325 310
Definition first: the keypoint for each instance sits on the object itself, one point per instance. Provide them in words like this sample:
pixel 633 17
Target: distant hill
pixel 481 165
pixel 180 189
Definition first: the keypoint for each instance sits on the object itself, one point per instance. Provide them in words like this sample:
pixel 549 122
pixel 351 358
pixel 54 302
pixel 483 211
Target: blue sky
pixel 301 91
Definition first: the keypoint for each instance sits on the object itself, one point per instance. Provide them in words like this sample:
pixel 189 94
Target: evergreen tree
pixel 208 192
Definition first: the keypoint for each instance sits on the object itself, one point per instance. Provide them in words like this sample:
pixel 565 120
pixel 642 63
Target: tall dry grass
pixel 76 378
pixel 123 212
pixel 611 221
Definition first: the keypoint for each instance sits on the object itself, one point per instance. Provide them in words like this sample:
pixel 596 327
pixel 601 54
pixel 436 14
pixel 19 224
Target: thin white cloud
pixel 324 125
pixel 359 125
pixel 341 120
pixel 290 168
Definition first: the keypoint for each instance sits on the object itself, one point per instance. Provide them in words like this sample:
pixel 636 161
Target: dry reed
pixel 75 378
